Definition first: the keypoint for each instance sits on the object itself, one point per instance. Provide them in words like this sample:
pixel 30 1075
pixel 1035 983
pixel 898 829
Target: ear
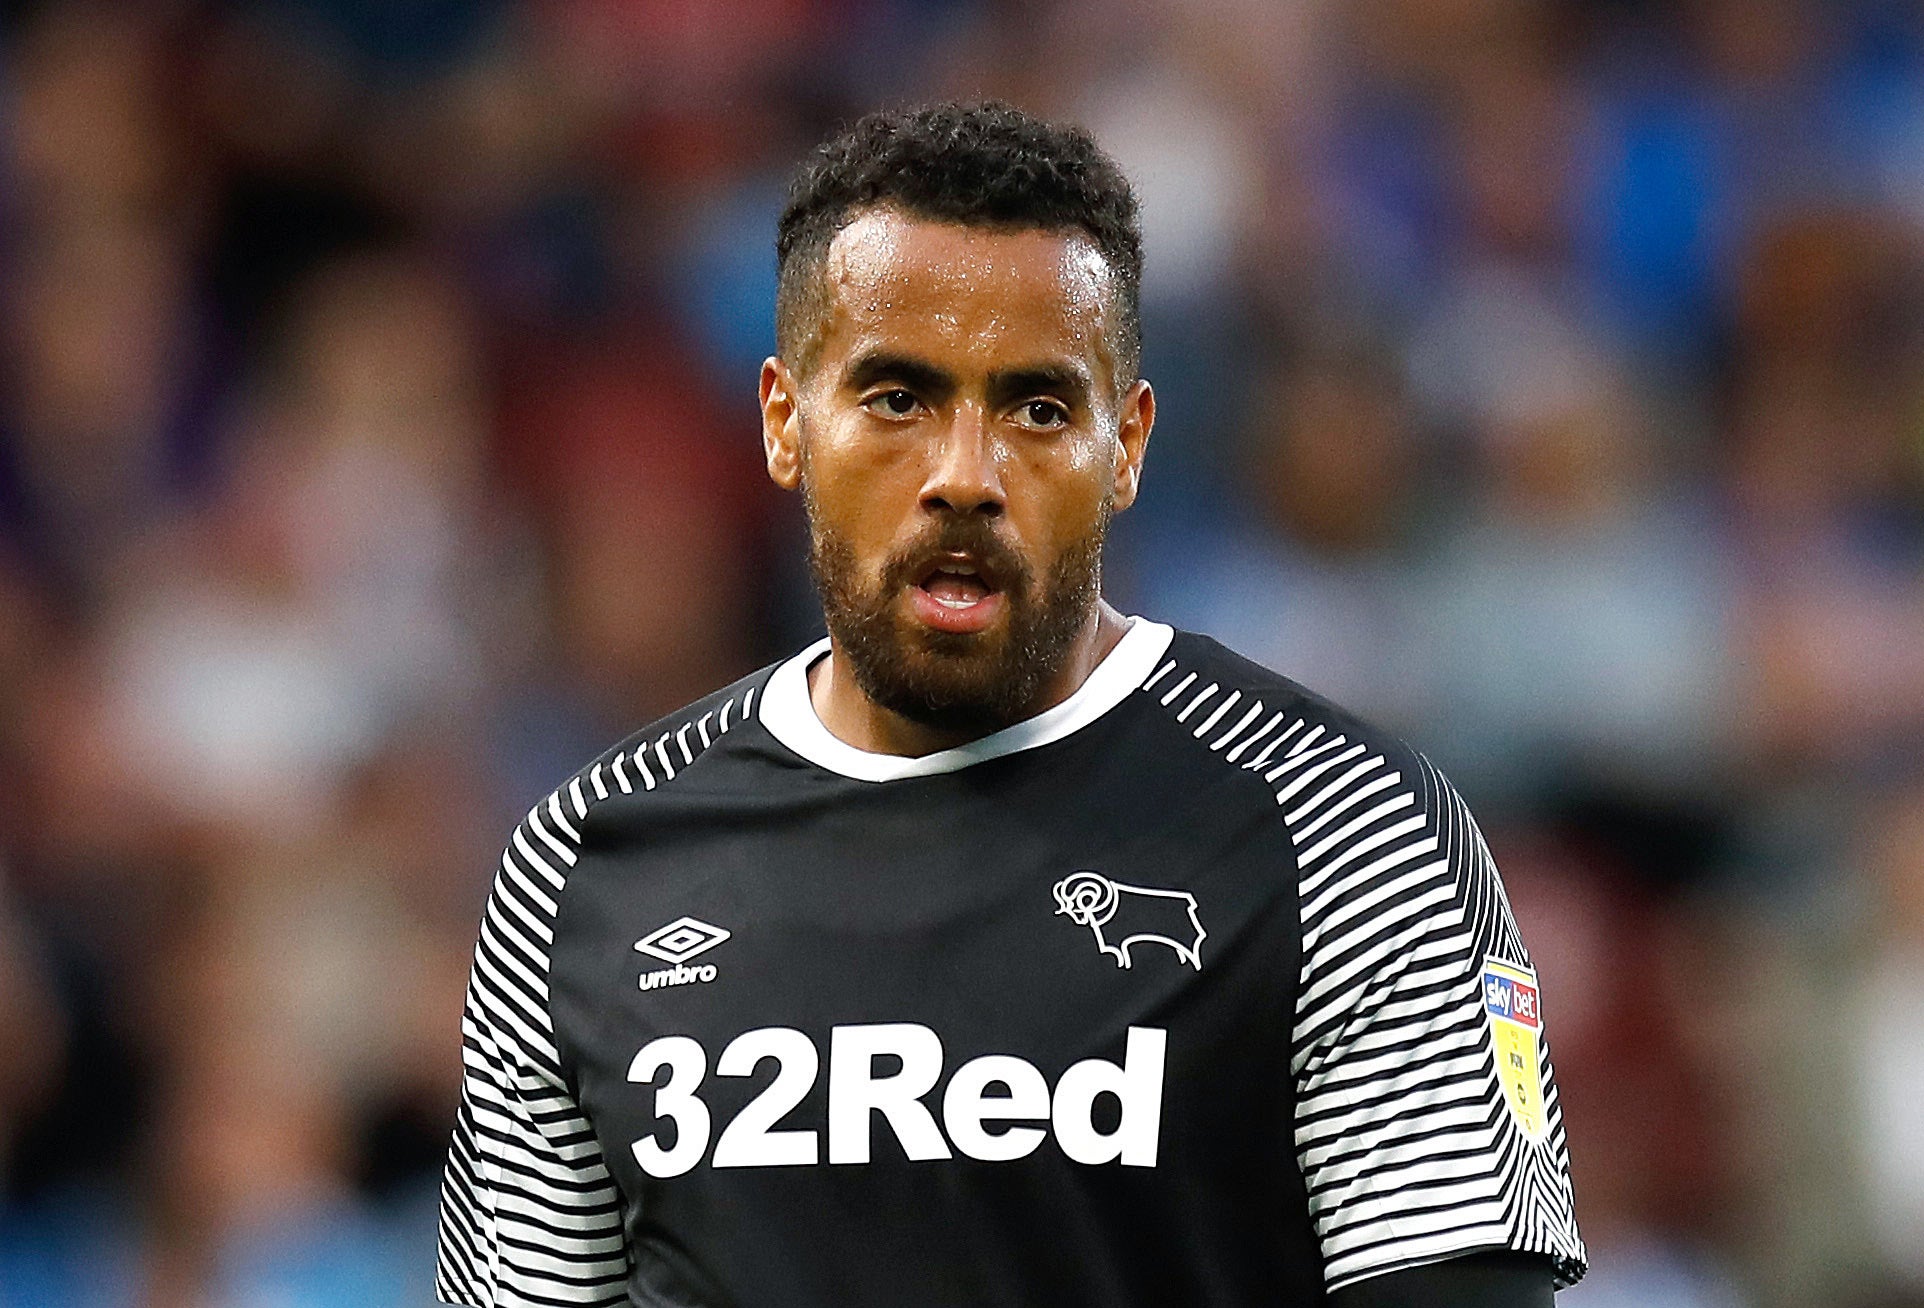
pixel 1132 434
pixel 781 424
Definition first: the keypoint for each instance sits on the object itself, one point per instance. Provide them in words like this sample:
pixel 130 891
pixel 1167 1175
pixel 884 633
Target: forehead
pixel 938 287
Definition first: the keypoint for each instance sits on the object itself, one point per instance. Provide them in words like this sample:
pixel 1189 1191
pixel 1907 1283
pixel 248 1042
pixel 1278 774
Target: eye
pixel 897 403
pixel 1043 414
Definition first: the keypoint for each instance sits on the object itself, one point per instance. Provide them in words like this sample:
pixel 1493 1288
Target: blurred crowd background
pixel 1544 378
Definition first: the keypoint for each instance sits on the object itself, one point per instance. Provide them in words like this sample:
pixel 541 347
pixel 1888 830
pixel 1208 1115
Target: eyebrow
pixel 883 365
pixel 1065 381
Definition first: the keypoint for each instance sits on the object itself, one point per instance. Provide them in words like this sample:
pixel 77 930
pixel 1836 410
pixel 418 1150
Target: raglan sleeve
pixel 1427 1123
pixel 529 1214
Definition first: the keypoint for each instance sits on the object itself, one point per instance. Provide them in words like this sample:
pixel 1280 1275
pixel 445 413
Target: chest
pixel 975 973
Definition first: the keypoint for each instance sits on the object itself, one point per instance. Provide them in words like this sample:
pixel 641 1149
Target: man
pixel 999 949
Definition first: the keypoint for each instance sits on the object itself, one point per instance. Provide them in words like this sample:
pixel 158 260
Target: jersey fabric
pixel 1192 989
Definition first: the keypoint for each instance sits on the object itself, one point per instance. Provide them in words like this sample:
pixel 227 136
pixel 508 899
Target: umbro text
pixel 677 976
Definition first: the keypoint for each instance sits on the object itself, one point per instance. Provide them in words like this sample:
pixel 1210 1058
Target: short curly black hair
pixel 980 165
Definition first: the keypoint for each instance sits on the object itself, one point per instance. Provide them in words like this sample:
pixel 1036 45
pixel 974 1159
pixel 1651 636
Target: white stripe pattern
pixel 1407 1147
pixel 529 1213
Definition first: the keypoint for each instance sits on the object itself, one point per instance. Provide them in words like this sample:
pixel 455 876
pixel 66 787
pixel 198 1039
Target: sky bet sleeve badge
pixel 1515 1010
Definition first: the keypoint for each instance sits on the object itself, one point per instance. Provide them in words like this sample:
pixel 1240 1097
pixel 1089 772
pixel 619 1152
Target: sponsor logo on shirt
pixel 1514 1008
pixel 1121 916
pixel 676 943
pixel 881 1082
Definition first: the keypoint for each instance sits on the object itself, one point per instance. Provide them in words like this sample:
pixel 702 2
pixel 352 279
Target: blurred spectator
pixel 32 1024
pixel 1323 579
pixel 647 505
pixel 1639 1054
pixel 336 587
pixel 1887 1038
pixel 105 347
pixel 1575 618
pixel 1830 488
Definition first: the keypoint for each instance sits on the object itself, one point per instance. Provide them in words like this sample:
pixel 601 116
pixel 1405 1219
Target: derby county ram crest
pixel 1122 916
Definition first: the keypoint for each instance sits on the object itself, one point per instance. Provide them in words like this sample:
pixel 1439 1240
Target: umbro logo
pixel 676 943
pixel 1121 916
pixel 681 940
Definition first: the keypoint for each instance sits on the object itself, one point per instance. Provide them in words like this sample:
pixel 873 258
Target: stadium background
pixel 377 441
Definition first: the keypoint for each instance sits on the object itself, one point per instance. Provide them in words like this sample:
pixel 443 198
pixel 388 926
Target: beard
pixel 959 682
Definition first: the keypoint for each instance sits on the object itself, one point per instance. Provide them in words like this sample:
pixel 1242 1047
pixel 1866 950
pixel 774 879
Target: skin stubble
pixel 948 682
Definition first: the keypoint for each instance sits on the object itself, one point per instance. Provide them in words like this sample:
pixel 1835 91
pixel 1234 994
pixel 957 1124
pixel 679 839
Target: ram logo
pixel 1122 916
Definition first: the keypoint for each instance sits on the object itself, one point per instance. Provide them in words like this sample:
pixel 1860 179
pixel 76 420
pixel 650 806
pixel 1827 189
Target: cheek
pixel 1074 460
pixel 1076 480
pixel 1094 454
pixel 853 495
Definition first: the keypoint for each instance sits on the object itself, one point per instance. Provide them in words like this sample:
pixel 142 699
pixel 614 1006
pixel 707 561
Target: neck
pixel 855 719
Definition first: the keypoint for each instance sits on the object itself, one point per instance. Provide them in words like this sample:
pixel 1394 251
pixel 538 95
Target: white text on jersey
pixel 856 1094
pixel 678 975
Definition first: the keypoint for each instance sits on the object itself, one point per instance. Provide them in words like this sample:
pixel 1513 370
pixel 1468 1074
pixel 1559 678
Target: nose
pixel 965 474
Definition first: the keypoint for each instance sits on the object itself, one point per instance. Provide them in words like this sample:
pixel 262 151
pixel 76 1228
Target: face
pixel 961 440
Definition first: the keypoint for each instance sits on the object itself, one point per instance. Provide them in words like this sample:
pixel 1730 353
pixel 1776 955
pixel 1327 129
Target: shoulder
pixel 650 760
pixel 675 743
pixel 1200 676
pixel 1365 817
pixel 1276 729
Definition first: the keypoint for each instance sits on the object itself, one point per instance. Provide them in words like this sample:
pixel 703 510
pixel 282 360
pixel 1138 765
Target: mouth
pixel 956 592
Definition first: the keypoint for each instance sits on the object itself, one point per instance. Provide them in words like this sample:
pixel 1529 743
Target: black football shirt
pixel 1191 990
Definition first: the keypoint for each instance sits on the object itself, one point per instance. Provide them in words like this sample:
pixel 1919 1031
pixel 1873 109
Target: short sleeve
pixel 1427 1123
pixel 529 1214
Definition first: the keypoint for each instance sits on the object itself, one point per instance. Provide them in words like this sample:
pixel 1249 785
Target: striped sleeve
pixel 529 1214
pixel 1427 1121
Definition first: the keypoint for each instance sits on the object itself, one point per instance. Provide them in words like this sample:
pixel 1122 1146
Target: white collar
pixel 790 717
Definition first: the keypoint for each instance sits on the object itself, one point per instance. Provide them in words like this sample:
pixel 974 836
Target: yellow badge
pixel 1515 1009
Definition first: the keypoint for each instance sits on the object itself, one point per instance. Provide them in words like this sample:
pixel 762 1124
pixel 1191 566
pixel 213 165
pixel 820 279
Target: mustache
pixel 959 535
